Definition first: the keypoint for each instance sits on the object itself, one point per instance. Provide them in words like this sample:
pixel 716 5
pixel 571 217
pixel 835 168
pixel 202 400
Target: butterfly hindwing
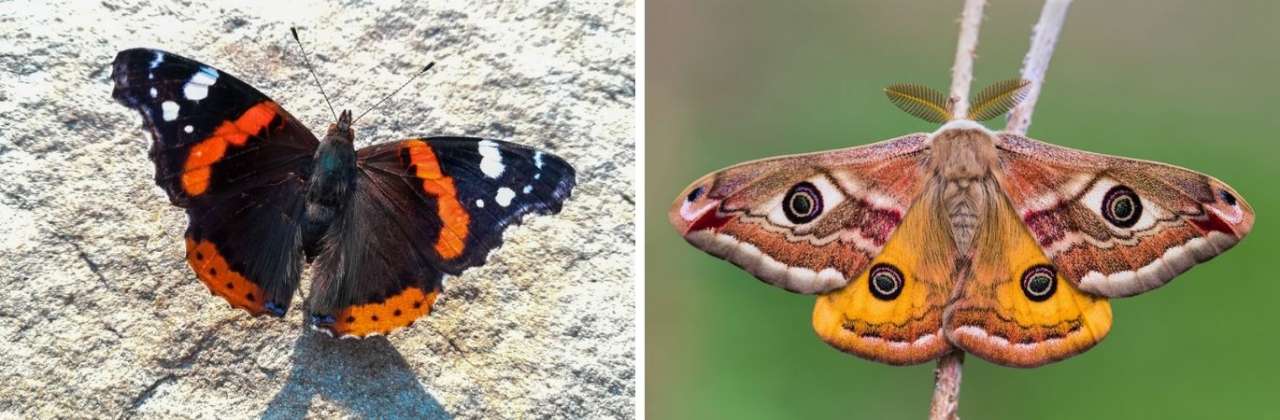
pixel 1013 306
pixel 423 208
pixel 246 248
pixel 805 223
pixel 235 160
pixel 373 273
pixel 892 311
pixel 1115 226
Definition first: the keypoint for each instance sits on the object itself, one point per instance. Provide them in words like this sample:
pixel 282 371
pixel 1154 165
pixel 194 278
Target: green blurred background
pixel 1192 83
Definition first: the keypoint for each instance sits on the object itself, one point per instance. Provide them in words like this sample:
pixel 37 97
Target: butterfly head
pixel 341 131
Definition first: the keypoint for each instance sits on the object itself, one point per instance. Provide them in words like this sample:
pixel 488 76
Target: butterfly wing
pixel 1014 307
pixel 805 223
pixel 1114 226
pixel 892 311
pixel 423 208
pixel 236 161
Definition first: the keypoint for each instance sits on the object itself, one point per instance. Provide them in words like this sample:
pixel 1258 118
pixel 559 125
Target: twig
pixel 946 386
pixel 946 378
pixel 1043 39
pixel 966 47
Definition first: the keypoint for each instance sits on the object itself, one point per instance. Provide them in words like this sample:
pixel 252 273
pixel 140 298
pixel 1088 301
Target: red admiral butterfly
pixel 381 225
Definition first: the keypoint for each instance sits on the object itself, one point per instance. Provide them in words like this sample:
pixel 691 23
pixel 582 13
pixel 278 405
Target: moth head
pixel 969 149
pixel 936 107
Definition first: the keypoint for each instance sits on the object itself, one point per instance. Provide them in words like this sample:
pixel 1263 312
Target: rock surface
pixel 100 316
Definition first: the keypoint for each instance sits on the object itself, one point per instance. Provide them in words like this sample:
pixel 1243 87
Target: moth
pixel 965 238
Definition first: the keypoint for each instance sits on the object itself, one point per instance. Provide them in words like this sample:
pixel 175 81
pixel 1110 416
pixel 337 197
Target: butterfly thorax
pixel 331 184
pixel 961 163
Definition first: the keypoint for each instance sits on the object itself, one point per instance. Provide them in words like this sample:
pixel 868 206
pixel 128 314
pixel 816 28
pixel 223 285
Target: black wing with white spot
pixel 421 208
pixel 212 134
pixel 236 161
pixel 466 191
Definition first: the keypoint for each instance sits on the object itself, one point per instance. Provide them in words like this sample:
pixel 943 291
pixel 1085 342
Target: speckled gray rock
pixel 99 315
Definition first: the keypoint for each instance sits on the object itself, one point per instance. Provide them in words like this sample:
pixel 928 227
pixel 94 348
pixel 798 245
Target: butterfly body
pixel 989 242
pixel 332 181
pixel 380 225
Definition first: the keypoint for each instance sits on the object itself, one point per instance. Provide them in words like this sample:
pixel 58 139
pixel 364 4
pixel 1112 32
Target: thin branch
pixel 1043 38
pixel 946 378
pixel 946 386
pixel 966 48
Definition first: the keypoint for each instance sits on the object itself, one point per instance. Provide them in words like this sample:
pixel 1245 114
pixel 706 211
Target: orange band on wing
pixel 383 317
pixel 213 271
pixel 197 169
pixel 454 219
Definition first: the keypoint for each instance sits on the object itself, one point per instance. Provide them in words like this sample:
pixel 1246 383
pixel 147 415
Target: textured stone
pixel 99 315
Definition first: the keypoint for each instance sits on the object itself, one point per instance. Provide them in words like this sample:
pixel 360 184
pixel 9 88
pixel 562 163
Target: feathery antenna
pixel 294 30
pixel 385 98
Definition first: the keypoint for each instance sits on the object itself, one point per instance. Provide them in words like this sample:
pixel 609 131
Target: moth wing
pixel 1114 226
pixel 1013 306
pixel 852 200
pixel 892 312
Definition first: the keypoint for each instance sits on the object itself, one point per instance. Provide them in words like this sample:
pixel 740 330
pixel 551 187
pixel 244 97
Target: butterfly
pixel 380 226
pixel 965 238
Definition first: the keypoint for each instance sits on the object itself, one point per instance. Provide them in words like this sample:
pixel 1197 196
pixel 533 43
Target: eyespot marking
pixel 803 203
pixel 1121 207
pixel 885 281
pixel 1039 282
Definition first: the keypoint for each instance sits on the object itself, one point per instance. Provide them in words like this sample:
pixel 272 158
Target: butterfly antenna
pixel 406 83
pixel 294 30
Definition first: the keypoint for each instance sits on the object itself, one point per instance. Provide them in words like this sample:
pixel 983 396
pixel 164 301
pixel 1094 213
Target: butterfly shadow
pixel 368 377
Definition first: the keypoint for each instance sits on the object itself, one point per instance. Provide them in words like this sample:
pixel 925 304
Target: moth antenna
pixel 393 93
pixel 920 101
pixel 997 99
pixel 306 61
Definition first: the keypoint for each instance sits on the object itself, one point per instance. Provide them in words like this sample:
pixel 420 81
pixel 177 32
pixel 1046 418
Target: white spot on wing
pixel 537 159
pixel 504 196
pixel 170 109
pixel 155 62
pixel 490 159
pixel 154 93
pixel 479 203
pixel 195 92
pixel 688 213
pixel 527 189
pixel 188 128
pixel 198 87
